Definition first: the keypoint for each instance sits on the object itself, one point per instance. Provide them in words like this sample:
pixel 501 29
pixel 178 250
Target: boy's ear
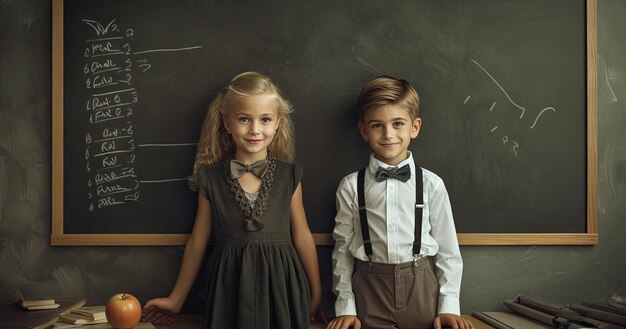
pixel 362 130
pixel 415 128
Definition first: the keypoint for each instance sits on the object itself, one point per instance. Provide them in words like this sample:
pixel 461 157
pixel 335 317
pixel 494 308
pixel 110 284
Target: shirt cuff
pixel 449 305
pixel 345 307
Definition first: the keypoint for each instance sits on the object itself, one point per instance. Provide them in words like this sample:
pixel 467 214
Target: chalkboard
pixel 507 93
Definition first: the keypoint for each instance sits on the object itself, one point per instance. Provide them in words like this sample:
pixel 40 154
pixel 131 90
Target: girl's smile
pixel 252 123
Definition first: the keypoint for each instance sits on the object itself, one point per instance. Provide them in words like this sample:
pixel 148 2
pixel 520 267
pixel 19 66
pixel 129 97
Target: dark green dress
pixel 255 278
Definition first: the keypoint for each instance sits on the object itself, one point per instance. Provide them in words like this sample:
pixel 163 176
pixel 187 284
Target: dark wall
pixel 562 273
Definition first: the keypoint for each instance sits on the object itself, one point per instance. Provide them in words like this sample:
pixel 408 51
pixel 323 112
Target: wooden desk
pixel 186 321
pixel 477 323
pixel 190 322
pixel 195 322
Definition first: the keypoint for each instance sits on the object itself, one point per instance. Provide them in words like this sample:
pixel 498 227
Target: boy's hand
pixel 345 322
pixel 453 321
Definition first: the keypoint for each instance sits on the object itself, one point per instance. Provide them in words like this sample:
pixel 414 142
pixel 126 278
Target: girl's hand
pixel 315 305
pixel 345 322
pixel 318 314
pixel 160 311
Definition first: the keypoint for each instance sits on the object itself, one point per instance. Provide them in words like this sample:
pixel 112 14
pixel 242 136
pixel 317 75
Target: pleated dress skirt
pixel 255 277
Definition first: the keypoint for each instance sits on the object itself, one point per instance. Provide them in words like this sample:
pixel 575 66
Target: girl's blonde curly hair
pixel 215 143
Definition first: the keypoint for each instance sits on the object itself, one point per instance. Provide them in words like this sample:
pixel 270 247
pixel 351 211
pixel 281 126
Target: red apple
pixel 123 311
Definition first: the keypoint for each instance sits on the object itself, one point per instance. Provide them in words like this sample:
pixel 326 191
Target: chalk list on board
pixel 110 152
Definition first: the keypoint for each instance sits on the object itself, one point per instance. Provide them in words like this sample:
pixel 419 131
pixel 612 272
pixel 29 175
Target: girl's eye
pixel 266 120
pixel 243 120
pixel 376 125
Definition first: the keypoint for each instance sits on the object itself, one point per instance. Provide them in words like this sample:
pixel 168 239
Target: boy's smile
pixel 389 130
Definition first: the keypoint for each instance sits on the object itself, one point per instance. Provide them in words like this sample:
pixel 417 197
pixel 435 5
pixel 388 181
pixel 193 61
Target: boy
pixel 389 281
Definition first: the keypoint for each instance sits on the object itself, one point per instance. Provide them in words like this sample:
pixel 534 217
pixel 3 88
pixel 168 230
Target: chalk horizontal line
pixel 103 39
pixel 114 92
pixel 162 180
pixel 112 152
pixel 112 106
pixel 166 145
pixel 107 54
pixel 107 70
pixel 166 50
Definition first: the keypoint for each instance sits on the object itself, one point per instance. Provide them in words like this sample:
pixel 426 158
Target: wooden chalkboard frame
pixel 60 238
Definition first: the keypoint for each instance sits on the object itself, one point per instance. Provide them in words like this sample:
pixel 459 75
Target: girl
pixel 263 271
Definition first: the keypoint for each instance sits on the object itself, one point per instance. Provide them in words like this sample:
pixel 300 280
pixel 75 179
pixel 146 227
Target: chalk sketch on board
pixel 499 86
pixel 540 113
pixel 506 141
pixel 362 61
pixel 110 151
pixel 607 75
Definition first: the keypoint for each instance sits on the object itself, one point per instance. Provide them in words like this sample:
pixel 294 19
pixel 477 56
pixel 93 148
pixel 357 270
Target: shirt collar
pixel 375 163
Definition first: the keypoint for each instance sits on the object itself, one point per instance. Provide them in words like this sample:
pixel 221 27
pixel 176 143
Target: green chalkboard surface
pixel 507 101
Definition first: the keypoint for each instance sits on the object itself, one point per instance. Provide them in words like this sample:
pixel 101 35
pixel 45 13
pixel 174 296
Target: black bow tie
pixel 238 168
pixel 403 173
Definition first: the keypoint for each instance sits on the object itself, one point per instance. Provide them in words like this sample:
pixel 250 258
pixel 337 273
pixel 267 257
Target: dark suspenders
pixel 419 206
pixel 365 231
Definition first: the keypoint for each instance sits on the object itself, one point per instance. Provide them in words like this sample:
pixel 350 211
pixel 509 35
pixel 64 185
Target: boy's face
pixel 389 130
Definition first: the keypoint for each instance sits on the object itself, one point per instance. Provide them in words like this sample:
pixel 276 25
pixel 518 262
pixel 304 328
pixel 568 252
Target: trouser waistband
pixel 421 263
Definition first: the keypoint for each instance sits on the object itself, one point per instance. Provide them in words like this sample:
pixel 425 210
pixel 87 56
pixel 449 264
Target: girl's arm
pixel 305 246
pixel 163 310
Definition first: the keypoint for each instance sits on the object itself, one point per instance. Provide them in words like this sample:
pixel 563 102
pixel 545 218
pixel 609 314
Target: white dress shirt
pixel 391 214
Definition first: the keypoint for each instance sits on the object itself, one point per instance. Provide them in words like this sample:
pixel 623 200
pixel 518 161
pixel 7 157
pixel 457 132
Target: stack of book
pixel 613 311
pixel 85 315
pixel 36 303
pixel 509 320
pixel 617 301
pixel 535 312
pixel 14 317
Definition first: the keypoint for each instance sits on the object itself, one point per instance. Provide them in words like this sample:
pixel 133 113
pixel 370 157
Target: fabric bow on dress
pixel 260 168
pixel 238 168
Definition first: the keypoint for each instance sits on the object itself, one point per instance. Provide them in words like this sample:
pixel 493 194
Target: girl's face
pixel 389 130
pixel 252 122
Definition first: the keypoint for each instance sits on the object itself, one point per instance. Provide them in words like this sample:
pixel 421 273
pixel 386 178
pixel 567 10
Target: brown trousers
pixel 396 295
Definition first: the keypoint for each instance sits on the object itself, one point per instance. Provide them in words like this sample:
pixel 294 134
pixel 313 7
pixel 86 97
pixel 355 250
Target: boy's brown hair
pixel 386 90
